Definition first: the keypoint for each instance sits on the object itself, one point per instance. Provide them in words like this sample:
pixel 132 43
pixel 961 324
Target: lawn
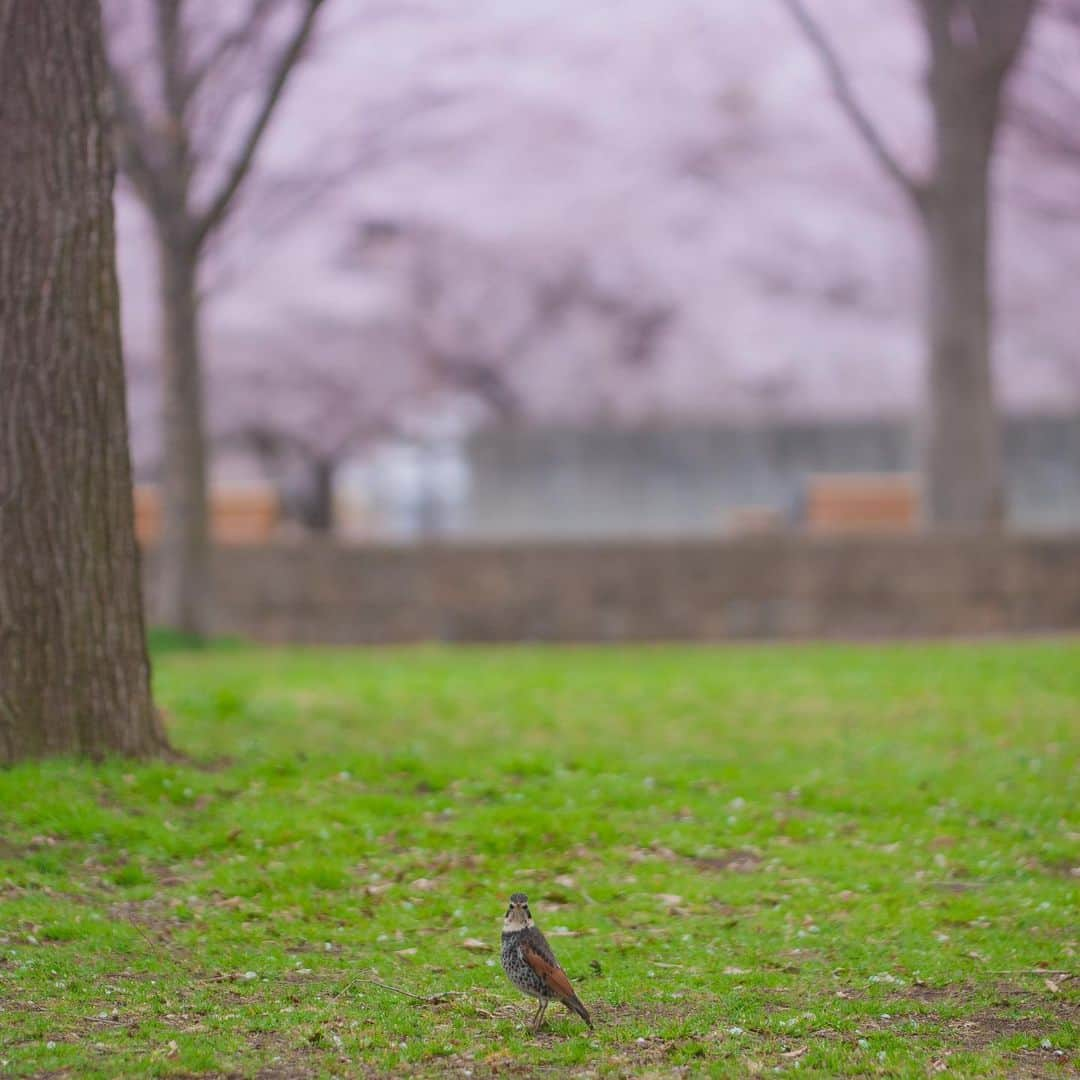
pixel 830 860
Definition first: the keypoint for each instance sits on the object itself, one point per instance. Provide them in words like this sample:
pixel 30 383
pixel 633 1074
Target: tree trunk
pixel 74 673
pixel 184 557
pixel 973 47
pixel 961 441
pixel 320 509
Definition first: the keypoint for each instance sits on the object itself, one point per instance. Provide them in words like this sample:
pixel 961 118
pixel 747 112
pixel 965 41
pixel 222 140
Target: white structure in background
pixel 408 490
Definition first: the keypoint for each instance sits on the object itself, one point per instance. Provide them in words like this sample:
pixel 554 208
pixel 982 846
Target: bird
pixel 531 966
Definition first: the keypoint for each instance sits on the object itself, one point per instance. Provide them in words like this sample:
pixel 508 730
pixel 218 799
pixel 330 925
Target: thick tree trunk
pixel 973 48
pixel 962 455
pixel 74 673
pixel 184 586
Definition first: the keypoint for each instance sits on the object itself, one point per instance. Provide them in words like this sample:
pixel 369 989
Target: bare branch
pixel 1046 98
pixel 229 43
pixel 935 17
pixel 218 206
pixel 989 34
pixel 429 999
pixel 484 380
pixel 1054 135
pixel 171 47
pixel 285 202
pixel 134 140
pixel 269 441
pixel 915 189
pixel 1002 27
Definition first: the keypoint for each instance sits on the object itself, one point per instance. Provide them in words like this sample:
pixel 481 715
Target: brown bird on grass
pixel 530 964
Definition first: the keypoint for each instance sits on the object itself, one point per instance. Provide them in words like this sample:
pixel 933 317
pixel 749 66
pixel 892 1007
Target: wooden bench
pixel 862 502
pixel 236 517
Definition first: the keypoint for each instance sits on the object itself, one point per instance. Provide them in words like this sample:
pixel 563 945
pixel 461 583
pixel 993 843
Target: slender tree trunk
pixel 74 673
pixel 183 582
pixel 320 515
pixel 960 438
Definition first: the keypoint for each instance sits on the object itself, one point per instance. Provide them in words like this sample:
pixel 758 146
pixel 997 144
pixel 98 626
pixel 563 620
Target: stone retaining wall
pixel 757 587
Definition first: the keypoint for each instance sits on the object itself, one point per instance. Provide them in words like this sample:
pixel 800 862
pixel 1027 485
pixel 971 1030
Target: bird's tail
pixel 573 1003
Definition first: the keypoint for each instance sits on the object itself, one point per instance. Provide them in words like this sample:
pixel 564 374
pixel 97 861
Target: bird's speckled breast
pixel 517 970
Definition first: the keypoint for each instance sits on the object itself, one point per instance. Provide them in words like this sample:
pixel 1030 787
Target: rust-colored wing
pixel 554 978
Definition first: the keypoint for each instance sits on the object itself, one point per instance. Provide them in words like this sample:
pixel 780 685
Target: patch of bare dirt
pixel 292 1059
pixel 1069 868
pixel 736 861
pixel 979 1031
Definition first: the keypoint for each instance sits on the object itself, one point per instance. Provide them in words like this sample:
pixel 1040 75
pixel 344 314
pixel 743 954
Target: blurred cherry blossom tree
pixel 655 218
pixel 195 88
pixel 972 46
pixel 460 333
pixel 306 400
pixel 479 318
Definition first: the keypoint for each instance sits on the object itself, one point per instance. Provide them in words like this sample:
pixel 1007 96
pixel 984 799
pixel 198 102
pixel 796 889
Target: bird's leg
pixel 540 1014
pixel 536 1015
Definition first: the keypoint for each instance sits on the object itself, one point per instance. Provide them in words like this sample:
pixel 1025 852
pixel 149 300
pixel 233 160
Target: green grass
pixel 828 860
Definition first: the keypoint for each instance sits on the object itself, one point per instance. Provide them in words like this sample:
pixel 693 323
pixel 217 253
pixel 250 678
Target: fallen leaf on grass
pixel 475 945
pixel 170 1050
pixel 798 1052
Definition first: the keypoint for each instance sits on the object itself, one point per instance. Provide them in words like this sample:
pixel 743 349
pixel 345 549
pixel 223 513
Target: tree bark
pixel 960 436
pixel 74 672
pixel 184 583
